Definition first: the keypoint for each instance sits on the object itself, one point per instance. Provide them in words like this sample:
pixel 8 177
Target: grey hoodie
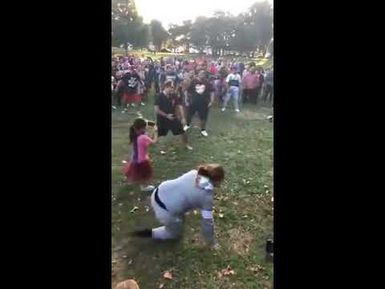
pixel 182 194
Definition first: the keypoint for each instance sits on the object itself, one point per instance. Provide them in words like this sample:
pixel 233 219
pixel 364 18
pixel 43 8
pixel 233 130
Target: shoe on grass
pixel 148 188
pixel 204 133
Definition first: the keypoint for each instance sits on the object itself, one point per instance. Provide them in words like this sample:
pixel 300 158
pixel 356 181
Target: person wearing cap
pixel 172 199
pixel 233 81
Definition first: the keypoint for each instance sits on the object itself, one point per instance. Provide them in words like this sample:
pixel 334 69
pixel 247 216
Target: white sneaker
pixel 147 189
pixel 204 133
pixel 237 110
pixel 186 127
pixel 189 147
pixel 223 109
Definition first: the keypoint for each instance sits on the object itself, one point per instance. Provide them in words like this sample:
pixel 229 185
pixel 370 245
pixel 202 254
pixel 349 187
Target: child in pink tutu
pixel 139 170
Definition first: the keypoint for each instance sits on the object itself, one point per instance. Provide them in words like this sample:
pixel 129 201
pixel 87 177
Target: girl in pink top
pixel 139 170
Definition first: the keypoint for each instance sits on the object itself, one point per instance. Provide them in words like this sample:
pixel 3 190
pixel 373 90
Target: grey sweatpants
pixel 173 225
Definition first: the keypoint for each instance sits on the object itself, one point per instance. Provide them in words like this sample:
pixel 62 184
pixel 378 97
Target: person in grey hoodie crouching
pixel 172 199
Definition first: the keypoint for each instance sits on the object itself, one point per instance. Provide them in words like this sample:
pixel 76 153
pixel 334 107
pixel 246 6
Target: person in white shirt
pixel 233 81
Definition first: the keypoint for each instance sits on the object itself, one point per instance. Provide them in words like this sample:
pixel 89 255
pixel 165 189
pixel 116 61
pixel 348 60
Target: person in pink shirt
pixel 213 69
pixel 251 85
pixel 139 170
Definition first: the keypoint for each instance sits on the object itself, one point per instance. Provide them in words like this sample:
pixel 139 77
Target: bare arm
pixel 155 135
pixel 212 98
pixel 181 113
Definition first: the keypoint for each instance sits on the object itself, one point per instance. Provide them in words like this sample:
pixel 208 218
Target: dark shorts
pixel 201 107
pixel 165 125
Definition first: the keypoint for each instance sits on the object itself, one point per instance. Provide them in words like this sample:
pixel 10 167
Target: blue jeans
pixel 233 92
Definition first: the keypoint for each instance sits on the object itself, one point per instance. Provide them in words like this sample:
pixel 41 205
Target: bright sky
pixel 176 11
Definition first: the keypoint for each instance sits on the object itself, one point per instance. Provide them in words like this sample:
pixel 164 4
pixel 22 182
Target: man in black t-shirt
pixel 168 105
pixel 201 98
pixel 130 91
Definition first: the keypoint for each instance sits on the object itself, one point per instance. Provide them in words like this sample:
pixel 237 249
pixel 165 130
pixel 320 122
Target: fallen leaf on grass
pixel 162 152
pixel 167 275
pixel 257 269
pixel 127 284
pixel 226 272
pixel 221 215
pixel 134 209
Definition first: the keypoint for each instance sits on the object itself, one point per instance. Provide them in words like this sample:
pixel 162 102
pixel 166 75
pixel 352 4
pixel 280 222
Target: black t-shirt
pixel 167 105
pixel 200 90
pixel 132 81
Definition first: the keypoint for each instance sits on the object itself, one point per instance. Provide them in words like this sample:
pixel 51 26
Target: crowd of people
pixel 229 79
pixel 183 88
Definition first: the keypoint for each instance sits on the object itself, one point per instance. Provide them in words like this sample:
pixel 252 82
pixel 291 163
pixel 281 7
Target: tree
pixel 219 31
pixel 181 34
pixel 243 38
pixel 127 26
pixel 158 33
pixel 199 33
pixel 260 17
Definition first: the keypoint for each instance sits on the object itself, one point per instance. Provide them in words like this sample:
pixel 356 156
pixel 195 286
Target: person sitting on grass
pixel 172 199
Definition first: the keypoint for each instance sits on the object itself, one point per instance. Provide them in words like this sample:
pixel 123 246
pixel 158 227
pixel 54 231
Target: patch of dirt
pixel 251 115
pixel 240 241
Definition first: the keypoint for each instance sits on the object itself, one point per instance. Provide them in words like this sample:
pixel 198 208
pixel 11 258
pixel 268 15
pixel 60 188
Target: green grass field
pixel 243 144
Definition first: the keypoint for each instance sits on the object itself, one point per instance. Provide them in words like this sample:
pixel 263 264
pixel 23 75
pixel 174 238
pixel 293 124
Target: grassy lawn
pixel 243 144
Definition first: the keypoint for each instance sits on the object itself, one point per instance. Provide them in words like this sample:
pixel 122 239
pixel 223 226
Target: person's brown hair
pixel 214 172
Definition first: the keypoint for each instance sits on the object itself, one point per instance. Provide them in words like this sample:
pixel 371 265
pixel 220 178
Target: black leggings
pixel 201 108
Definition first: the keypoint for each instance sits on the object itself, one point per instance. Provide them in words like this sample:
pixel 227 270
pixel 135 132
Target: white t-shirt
pixel 233 78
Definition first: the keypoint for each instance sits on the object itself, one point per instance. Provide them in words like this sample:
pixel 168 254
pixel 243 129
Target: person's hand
pixel 170 116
